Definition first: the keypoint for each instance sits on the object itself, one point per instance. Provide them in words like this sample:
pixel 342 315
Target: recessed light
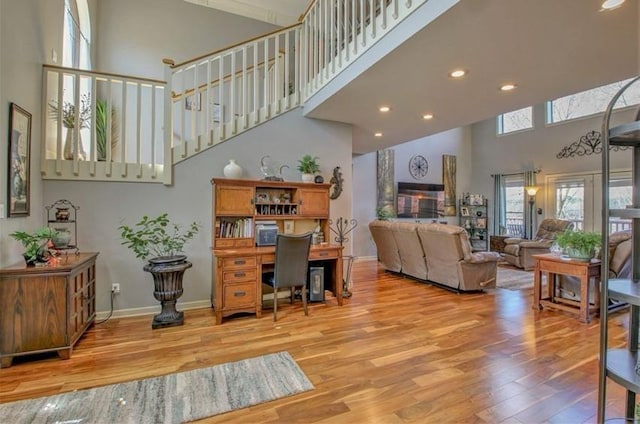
pixel 384 109
pixel 508 87
pixel 427 116
pixel 611 4
pixel 378 134
pixel 457 73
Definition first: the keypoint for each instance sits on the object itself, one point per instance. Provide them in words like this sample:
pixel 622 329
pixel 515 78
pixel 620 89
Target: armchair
pixel 518 251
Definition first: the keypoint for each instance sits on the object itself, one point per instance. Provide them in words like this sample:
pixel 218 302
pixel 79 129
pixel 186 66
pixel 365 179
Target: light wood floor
pixel 398 351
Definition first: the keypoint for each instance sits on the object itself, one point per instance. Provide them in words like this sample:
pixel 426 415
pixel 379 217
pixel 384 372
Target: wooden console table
pixel 46 308
pixel 554 266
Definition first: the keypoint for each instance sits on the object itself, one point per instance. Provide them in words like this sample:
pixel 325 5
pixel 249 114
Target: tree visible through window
pixel 517 120
pixel 591 102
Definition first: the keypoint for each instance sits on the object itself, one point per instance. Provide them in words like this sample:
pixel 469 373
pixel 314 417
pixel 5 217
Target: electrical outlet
pixel 115 288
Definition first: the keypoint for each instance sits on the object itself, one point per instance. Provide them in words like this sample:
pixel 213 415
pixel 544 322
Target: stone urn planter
pixel 160 242
pixel 167 275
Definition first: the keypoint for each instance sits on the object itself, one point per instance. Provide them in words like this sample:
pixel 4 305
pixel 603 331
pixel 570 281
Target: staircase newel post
pixel 167 171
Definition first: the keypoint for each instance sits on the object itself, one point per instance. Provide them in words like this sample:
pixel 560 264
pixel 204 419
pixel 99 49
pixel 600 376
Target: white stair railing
pixel 135 129
pixel 100 126
pixel 336 32
pixel 227 92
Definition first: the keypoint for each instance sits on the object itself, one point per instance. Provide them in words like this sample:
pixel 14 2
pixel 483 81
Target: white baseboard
pixel 149 310
pixel 366 258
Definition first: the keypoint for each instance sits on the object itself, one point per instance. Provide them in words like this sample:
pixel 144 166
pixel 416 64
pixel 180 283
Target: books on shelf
pixel 234 228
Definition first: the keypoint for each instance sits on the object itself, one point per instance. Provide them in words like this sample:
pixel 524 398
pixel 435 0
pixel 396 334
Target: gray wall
pixel 453 142
pixel 105 206
pixel 536 148
pixel 29 31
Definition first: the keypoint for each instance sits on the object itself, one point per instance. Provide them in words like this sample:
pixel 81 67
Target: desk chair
pixel 290 267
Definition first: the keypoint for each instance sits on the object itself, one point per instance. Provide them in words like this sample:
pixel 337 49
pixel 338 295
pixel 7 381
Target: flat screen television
pixel 416 200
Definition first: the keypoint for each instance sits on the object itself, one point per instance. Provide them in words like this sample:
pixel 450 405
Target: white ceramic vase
pixel 232 170
pixel 307 178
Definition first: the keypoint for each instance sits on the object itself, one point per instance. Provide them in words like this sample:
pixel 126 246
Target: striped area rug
pixel 173 398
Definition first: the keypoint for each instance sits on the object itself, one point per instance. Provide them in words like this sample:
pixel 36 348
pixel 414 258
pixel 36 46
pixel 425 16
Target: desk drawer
pixel 239 295
pixel 238 275
pixel 239 262
pixel 323 254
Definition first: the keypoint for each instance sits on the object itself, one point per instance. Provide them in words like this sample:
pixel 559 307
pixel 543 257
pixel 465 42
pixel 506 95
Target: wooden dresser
pixel 47 308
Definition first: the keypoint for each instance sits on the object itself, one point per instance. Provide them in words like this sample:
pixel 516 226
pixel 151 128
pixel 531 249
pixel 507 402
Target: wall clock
pixel 418 167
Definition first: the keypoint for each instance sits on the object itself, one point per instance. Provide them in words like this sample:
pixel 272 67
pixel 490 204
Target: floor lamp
pixel 531 191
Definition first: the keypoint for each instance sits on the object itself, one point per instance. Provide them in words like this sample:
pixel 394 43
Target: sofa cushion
pixel 410 249
pixel 388 255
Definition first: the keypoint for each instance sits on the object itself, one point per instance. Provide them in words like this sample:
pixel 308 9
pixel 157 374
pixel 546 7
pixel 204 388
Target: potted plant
pixel 35 244
pixel 69 122
pixel 308 165
pixel 101 129
pixel 579 245
pixel 160 241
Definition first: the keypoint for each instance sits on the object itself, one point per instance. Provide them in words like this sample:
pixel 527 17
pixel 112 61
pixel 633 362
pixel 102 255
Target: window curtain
pixel 499 205
pixel 530 222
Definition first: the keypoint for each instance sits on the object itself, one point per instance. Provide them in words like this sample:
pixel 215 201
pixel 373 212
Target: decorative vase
pixel 61 238
pixel 307 178
pixel 167 275
pixel 232 170
pixel 62 214
pixel 579 254
pixel 69 146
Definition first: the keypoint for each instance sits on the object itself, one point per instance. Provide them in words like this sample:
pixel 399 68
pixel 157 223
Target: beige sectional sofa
pixel 436 253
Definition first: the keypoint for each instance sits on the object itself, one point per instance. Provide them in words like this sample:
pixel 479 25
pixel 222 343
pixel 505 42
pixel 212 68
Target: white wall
pixel 135 35
pixel 29 31
pixel 537 148
pixel 453 142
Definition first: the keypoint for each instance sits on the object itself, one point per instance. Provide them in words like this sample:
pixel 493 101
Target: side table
pixel 553 266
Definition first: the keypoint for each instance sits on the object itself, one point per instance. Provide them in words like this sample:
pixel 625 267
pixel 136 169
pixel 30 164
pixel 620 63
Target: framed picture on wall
pixel 18 181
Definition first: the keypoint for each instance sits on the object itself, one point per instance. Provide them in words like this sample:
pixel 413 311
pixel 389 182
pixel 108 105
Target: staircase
pixel 135 129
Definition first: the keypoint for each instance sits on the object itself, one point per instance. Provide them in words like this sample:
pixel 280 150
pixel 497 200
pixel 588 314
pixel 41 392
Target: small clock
pixel 418 167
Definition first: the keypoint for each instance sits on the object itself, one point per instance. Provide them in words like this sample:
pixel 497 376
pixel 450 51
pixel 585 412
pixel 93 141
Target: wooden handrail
pixel 108 74
pixel 306 12
pixel 233 46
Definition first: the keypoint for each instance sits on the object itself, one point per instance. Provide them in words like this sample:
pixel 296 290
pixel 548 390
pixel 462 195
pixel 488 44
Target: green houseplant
pixel 308 165
pixel 101 129
pixel 35 244
pixel 580 245
pixel 163 241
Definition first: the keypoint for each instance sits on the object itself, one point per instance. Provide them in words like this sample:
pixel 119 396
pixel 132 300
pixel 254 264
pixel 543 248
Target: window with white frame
pixel 76 44
pixel 591 102
pixel 517 120
pixel 514 194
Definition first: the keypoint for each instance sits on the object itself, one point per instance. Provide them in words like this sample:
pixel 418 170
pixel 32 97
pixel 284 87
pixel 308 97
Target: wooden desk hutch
pixel 238 205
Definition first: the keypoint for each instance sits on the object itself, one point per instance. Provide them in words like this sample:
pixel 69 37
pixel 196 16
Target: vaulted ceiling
pixel 548 48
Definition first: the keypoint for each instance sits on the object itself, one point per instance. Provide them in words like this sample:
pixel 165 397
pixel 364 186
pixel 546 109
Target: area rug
pixel 512 278
pixel 173 398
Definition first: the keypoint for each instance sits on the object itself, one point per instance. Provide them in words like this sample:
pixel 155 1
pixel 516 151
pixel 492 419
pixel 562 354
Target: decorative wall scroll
pixel 386 190
pixel 336 183
pixel 449 180
pixel 589 144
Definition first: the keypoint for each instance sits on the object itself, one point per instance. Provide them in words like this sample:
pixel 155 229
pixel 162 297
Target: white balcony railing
pixel 101 126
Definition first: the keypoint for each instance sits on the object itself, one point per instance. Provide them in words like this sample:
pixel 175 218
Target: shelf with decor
pixel 472 216
pixel 62 216
pixel 620 365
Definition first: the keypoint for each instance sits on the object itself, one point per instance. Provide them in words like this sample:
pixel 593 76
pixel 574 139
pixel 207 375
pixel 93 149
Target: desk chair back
pixel 291 267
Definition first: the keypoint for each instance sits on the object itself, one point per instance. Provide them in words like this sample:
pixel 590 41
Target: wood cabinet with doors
pixel 240 205
pixel 47 308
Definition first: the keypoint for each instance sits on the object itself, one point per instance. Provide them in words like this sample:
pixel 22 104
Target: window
pixel 514 193
pixel 76 45
pixel 591 102
pixel 518 120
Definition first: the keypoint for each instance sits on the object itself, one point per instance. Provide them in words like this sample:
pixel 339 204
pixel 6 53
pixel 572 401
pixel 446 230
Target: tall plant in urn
pixel 160 242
